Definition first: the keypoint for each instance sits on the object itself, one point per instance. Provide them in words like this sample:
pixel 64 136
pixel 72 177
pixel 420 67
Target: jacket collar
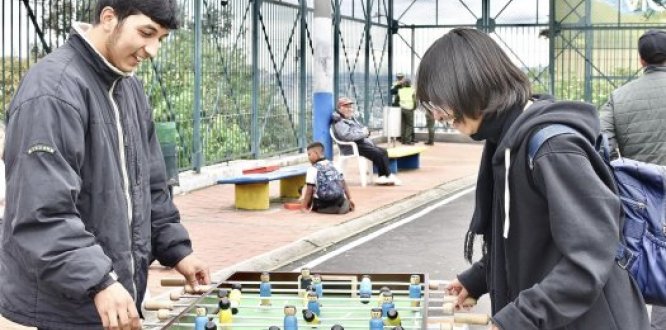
pixel 106 71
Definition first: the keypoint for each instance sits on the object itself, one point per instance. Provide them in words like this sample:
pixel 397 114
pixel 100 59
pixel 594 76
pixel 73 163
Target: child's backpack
pixel 642 191
pixel 329 182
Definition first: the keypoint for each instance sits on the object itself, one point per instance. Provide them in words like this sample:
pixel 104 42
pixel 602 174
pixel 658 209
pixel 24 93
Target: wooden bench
pixel 404 158
pixel 251 190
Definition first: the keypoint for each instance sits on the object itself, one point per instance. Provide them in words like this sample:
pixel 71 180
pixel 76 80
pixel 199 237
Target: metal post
pixel 303 72
pixel 196 125
pixel 389 21
pixel 366 73
pixel 485 12
pixel 254 129
pixel 589 40
pixel 322 99
pixel 412 57
pixel 336 51
pixel 551 47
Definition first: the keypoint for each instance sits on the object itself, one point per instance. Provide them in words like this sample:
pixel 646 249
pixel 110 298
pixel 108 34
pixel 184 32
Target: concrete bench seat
pixel 251 190
pixel 404 158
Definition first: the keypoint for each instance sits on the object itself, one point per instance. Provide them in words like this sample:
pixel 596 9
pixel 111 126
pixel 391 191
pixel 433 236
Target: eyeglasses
pixel 438 112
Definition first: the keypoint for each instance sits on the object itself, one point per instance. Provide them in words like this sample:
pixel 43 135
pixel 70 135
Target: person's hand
pixel 351 205
pixel 455 288
pixel 366 131
pixel 493 327
pixel 195 271
pixel 116 308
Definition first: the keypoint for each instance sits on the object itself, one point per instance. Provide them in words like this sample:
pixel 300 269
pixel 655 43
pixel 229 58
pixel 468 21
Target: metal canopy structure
pixel 236 78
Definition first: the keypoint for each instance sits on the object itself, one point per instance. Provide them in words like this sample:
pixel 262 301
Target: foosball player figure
pixel 380 297
pixel 313 303
pixel 376 322
pixel 290 320
pixel 201 319
pixel 398 328
pixel 265 289
pixel 310 317
pixel 235 297
pixel 225 315
pixel 222 293
pixel 337 327
pixel 304 281
pixel 415 290
pixel 387 302
pixel 274 327
pixel 365 289
pixel 210 325
pixel 318 286
pixel 392 317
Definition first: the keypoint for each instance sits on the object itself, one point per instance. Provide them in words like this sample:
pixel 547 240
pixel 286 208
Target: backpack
pixel 329 182
pixel 642 191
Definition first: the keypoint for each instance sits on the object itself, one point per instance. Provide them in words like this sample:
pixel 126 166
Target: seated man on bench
pixel 347 128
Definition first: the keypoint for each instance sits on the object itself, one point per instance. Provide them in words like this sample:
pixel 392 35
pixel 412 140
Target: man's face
pixel 133 40
pixel 347 110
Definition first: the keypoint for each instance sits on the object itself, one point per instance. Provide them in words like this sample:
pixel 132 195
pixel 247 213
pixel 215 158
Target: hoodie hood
pixel 336 116
pixel 545 111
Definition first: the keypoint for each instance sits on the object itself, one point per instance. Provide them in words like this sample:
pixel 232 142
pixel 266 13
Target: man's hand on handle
pixel 195 271
pixel 116 308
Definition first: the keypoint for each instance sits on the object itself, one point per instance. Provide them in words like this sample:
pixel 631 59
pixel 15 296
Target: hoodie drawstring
pixel 507 195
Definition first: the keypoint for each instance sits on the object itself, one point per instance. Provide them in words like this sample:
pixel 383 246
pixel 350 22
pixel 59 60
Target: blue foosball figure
pixel 290 320
pixel 365 289
pixel 376 322
pixel 201 319
pixel 387 302
pixel 313 303
pixel 265 289
pixel 318 286
pixel 415 290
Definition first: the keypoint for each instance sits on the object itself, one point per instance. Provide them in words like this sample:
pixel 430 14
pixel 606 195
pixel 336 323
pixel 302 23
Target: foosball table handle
pixel 173 282
pixel 471 318
pixel 153 305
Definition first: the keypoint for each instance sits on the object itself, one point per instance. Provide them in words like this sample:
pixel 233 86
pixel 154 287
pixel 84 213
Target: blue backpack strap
pixel 542 136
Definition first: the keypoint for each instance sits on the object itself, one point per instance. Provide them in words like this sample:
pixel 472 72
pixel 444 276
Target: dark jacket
pixel 84 203
pixel 349 130
pixel 634 118
pixel 556 269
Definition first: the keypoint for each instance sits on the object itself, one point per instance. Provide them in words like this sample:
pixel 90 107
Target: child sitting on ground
pixel 326 190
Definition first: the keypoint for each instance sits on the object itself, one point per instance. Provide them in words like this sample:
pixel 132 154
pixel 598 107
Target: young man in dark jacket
pixel 550 227
pixel 88 207
pixel 634 118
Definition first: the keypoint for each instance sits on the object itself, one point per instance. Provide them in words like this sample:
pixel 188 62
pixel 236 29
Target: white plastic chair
pixel 364 164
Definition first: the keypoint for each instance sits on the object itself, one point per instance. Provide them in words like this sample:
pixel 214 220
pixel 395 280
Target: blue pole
pixel 322 98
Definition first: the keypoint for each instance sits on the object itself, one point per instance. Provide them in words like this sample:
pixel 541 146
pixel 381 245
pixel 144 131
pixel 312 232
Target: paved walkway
pixel 229 239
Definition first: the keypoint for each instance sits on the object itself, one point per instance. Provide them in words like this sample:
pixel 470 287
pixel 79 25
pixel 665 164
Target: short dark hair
pixel 652 47
pixel 163 12
pixel 316 144
pixel 466 71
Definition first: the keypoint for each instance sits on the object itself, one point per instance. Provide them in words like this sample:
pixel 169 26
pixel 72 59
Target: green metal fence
pixel 236 78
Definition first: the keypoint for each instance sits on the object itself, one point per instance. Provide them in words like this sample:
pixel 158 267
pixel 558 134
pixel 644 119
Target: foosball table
pixel 292 300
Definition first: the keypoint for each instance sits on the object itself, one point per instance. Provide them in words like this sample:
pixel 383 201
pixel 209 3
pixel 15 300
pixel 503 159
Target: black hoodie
pixel 556 267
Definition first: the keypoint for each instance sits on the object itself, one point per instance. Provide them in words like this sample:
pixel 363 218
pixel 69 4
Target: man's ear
pixel 108 19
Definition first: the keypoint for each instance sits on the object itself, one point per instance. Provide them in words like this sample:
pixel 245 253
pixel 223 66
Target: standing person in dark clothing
pixel 347 128
pixel 634 118
pixel 550 241
pixel 88 207
pixel 399 77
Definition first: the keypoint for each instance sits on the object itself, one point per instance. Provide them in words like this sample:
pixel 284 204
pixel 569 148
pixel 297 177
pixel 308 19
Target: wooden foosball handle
pixel 471 318
pixel 198 290
pixel 173 282
pixel 153 305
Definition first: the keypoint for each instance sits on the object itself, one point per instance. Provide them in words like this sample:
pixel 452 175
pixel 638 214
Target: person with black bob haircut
pixel 88 208
pixel 550 227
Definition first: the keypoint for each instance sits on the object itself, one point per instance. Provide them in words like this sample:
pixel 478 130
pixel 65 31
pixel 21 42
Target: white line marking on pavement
pixel 382 231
